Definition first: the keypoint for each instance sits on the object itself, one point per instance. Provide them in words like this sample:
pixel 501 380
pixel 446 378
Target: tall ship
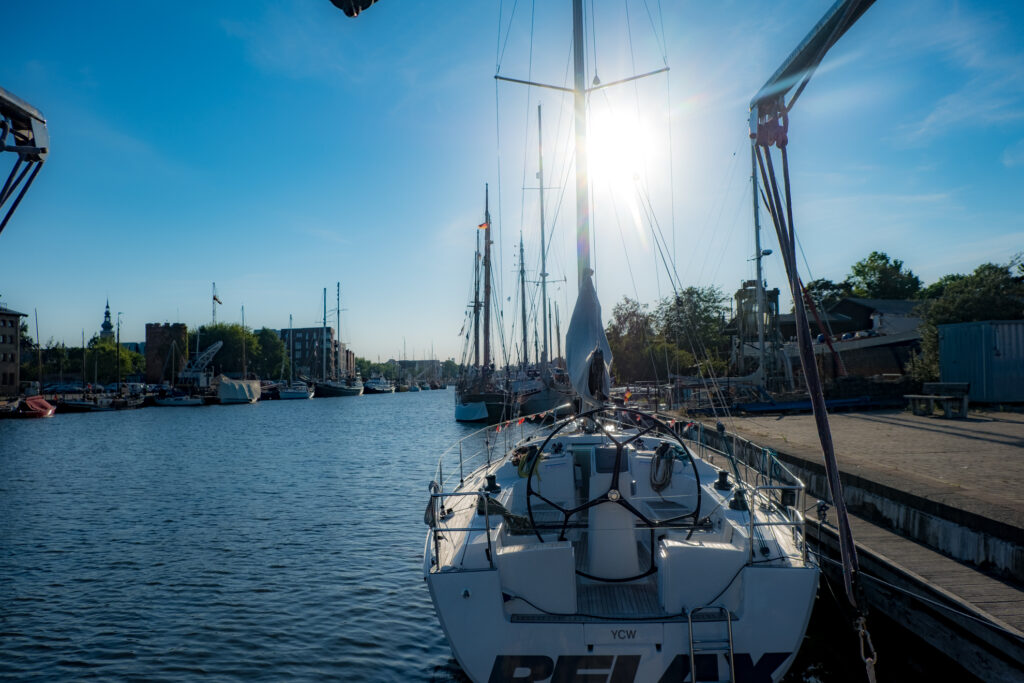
pixel 343 383
pixel 480 392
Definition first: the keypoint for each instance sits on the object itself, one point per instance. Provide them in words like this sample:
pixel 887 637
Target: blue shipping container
pixel 989 355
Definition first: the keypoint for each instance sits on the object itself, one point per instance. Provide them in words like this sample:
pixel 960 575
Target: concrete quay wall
pixel 952 485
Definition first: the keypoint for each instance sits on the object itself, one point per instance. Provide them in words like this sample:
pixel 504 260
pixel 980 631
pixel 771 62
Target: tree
pixel 236 339
pixel 938 288
pixel 878 277
pixel 449 370
pixel 630 333
pixel 694 320
pixel 100 362
pixel 991 292
pixel 826 293
pixel 270 358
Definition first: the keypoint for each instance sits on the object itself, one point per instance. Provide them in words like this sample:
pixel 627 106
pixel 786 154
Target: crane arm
pixel 768 109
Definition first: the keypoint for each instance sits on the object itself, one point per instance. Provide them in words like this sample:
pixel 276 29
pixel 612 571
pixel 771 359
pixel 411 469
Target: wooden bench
pixel 951 396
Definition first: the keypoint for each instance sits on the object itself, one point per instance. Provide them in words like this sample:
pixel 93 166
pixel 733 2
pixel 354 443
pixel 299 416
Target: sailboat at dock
pixel 617 544
pixel 293 389
pixel 613 540
pixel 341 383
pixel 479 393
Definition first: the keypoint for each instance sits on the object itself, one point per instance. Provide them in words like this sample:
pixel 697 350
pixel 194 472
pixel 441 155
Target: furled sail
pixel 587 354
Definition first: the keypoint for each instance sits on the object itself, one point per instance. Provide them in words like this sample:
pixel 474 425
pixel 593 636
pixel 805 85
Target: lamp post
pixel 119 314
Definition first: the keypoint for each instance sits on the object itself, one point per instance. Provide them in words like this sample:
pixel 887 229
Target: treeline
pixel 262 351
pixel 392 371
pixel 264 356
pixel 684 334
pixel 99 358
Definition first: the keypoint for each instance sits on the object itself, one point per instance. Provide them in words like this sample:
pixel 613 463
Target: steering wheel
pixel 613 496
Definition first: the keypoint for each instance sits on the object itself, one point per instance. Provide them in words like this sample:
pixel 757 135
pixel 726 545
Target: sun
pixel 619 147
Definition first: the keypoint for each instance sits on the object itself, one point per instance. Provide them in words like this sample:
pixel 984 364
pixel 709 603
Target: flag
pixel 498 428
pixel 626 397
pixel 217 299
pixel 483 226
pixel 521 421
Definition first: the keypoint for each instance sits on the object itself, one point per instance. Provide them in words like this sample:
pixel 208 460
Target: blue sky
pixel 279 147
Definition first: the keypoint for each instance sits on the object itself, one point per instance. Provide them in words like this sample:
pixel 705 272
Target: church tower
pixel 107 328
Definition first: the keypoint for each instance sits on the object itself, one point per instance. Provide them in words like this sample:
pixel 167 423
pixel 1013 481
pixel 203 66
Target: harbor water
pixel 275 541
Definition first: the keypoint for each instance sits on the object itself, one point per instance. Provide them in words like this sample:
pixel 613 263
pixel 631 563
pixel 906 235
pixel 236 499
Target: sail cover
pixel 352 7
pixel 587 354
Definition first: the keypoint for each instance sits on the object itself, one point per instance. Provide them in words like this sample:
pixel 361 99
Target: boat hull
pixel 294 394
pixel 179 401
pixel 333 390
pixel 771 612
pixel 487 407
pixel 471 412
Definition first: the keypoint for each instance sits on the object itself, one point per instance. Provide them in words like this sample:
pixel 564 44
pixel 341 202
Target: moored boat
pixel 178 399
pixel 29 407
pixel 231 391
pixel 295 390
pixel 378 385
pixel 353 386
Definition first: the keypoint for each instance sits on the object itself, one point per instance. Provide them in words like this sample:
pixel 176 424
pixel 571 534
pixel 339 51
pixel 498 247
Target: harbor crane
pixel 23 132
pixel 769 126
pixel 195 371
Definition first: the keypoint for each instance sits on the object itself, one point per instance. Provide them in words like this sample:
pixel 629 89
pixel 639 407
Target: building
pixel 307 354
pixel 107 328
pixel 350 362
pixel 989 355
pixel 10 351
pixel 161 340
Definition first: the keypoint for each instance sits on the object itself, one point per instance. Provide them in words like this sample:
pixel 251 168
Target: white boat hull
pixel 772 608
pixel 602 558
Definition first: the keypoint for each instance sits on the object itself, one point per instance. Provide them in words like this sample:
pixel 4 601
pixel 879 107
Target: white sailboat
pixel 294 389
pixel 612 545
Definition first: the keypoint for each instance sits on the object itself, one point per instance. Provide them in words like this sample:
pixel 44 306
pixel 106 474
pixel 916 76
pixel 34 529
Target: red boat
pixel 32 406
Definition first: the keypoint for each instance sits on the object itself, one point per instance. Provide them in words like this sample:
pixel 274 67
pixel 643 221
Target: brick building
pixel 307 353
pixel 10 352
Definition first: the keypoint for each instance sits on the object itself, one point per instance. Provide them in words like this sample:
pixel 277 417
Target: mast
pixel 338 368
pixel 522 293
pixel 543 242
pixel 291 351
pixel 39 352
pixel 759 291
pixel 487 281
pixel 323 353
pixel 118 353
pixel 245 368
pixel 558 330
pixel 476 302
pixel 580 106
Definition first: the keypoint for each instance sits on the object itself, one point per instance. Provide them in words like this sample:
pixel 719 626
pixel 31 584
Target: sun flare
pixel 619 148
